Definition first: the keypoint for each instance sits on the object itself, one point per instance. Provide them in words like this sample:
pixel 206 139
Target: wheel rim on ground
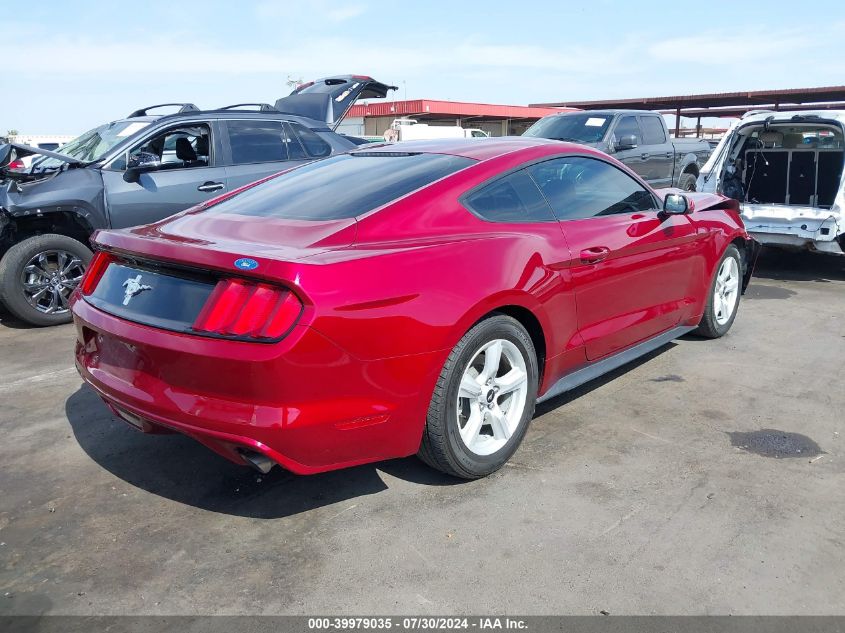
pixel 48 279
pixel 492 397
pixel 726 293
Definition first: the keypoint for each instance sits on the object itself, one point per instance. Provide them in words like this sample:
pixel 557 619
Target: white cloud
pixel 108 73
pixel 734 49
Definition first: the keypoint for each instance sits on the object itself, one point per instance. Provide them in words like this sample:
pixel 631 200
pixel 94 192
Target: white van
pixel 786 169
pixel 413 130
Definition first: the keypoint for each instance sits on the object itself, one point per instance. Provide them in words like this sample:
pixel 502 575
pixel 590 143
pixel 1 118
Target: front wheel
pixel 723 298
pixel 686 182
pixel 483 400
pixel 37 276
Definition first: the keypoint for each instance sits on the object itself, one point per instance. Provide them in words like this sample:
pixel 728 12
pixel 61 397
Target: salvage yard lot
pixel 627 495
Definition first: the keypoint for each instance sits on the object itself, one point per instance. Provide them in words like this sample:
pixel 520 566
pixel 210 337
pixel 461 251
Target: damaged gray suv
pixel 144 168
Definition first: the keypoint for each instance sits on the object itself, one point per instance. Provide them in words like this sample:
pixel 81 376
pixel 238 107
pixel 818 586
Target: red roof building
pixel 374 118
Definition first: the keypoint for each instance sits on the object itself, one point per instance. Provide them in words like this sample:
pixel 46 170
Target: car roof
pixel 229 115
pixel 608 112
pixel 475 148
pixel 787 116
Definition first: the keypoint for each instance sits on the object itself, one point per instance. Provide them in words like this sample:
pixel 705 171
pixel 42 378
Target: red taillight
pixel 94 272
pixel 247 309
pixel 17 164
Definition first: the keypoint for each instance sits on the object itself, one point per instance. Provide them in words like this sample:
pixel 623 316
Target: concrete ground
pixel 626 496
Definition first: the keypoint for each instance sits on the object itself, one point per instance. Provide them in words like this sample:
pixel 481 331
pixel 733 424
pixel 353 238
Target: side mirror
pixel 133 174
pixel 629 141
pixel 676 204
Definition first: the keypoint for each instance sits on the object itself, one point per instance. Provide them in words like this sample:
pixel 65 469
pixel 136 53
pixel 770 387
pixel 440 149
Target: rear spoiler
pixel 330 98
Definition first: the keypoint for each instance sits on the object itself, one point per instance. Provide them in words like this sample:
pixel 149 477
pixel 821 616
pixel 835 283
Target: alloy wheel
pixel 49 278
pixel 726 292
pixel 492 397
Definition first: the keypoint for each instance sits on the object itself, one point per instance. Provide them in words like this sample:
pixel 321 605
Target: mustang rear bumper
pixel 305 403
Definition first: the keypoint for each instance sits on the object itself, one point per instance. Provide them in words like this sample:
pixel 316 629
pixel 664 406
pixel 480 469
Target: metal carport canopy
pixel 739 100
pixel 720 104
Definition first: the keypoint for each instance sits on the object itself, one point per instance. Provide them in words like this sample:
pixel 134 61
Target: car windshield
pixel 342 186
pixel 576 128
pixel 94 144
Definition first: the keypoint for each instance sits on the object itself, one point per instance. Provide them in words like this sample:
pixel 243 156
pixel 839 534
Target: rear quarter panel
pixel 404 299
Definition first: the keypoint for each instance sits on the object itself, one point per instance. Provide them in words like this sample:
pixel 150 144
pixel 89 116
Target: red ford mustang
pixel 413 298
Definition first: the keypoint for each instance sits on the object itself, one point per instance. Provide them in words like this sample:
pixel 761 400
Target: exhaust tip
pixel 258 461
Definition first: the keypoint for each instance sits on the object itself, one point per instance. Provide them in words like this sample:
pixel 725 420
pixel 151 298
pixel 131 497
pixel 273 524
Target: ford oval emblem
pixel 245 263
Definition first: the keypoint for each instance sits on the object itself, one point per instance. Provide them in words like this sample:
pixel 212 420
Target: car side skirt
pixel 614 361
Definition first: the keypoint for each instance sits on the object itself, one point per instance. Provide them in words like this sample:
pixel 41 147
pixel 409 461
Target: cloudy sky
pixel 69 66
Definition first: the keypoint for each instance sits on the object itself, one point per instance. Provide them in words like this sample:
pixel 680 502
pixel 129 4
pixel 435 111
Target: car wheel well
pixel 742 246
pixel 530 322
pixel 58 223
pixel 692 168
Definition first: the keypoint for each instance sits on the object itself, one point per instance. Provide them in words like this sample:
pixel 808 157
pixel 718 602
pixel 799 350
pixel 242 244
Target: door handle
pixel 669 154
pixel 644 155
pixel 594 254
pixel 211 186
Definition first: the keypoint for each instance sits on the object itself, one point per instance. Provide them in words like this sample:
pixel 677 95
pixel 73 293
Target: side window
pixel 653 131
pixel 311 141
pixel 292 145
pixel 514 198
pixel 578 187
pixel 174 148
pixel 253 141
pixel 628 125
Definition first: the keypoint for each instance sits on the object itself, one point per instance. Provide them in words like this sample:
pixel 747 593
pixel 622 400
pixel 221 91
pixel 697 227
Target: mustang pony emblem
pixel 133 287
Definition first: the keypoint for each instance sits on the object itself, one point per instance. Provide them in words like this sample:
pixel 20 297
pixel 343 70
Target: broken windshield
pixel 94 144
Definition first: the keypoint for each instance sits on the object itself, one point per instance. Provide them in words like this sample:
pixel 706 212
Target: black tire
pixel 686 182
pixel 709 326
pixel 442 447
pixel 12 293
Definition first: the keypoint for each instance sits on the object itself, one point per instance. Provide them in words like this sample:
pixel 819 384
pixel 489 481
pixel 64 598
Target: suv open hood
pixel 13 151
pixel 330 98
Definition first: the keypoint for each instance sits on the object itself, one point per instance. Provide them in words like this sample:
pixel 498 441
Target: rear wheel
pixel 686 182
pixel 37 276
pixel 723 298
pixel 483 400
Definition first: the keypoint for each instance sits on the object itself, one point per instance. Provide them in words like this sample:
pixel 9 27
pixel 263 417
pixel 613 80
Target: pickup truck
pixel 637 138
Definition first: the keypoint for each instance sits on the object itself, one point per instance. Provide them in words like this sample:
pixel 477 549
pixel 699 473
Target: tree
pixel 12 132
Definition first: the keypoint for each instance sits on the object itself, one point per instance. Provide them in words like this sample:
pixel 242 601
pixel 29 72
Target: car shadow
pixel 587 387
pixel 781 265
pixel 182 470
pixel 178 468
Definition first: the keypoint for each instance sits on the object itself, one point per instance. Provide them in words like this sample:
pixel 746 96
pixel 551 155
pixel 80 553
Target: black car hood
pixel 13 151
pixel 330 98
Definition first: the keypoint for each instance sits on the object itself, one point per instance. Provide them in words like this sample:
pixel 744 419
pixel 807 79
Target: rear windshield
pixel 342 186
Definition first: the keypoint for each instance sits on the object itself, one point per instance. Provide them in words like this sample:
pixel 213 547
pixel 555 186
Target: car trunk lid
pixel 168 274
pixel 217 240
pixel 330 98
